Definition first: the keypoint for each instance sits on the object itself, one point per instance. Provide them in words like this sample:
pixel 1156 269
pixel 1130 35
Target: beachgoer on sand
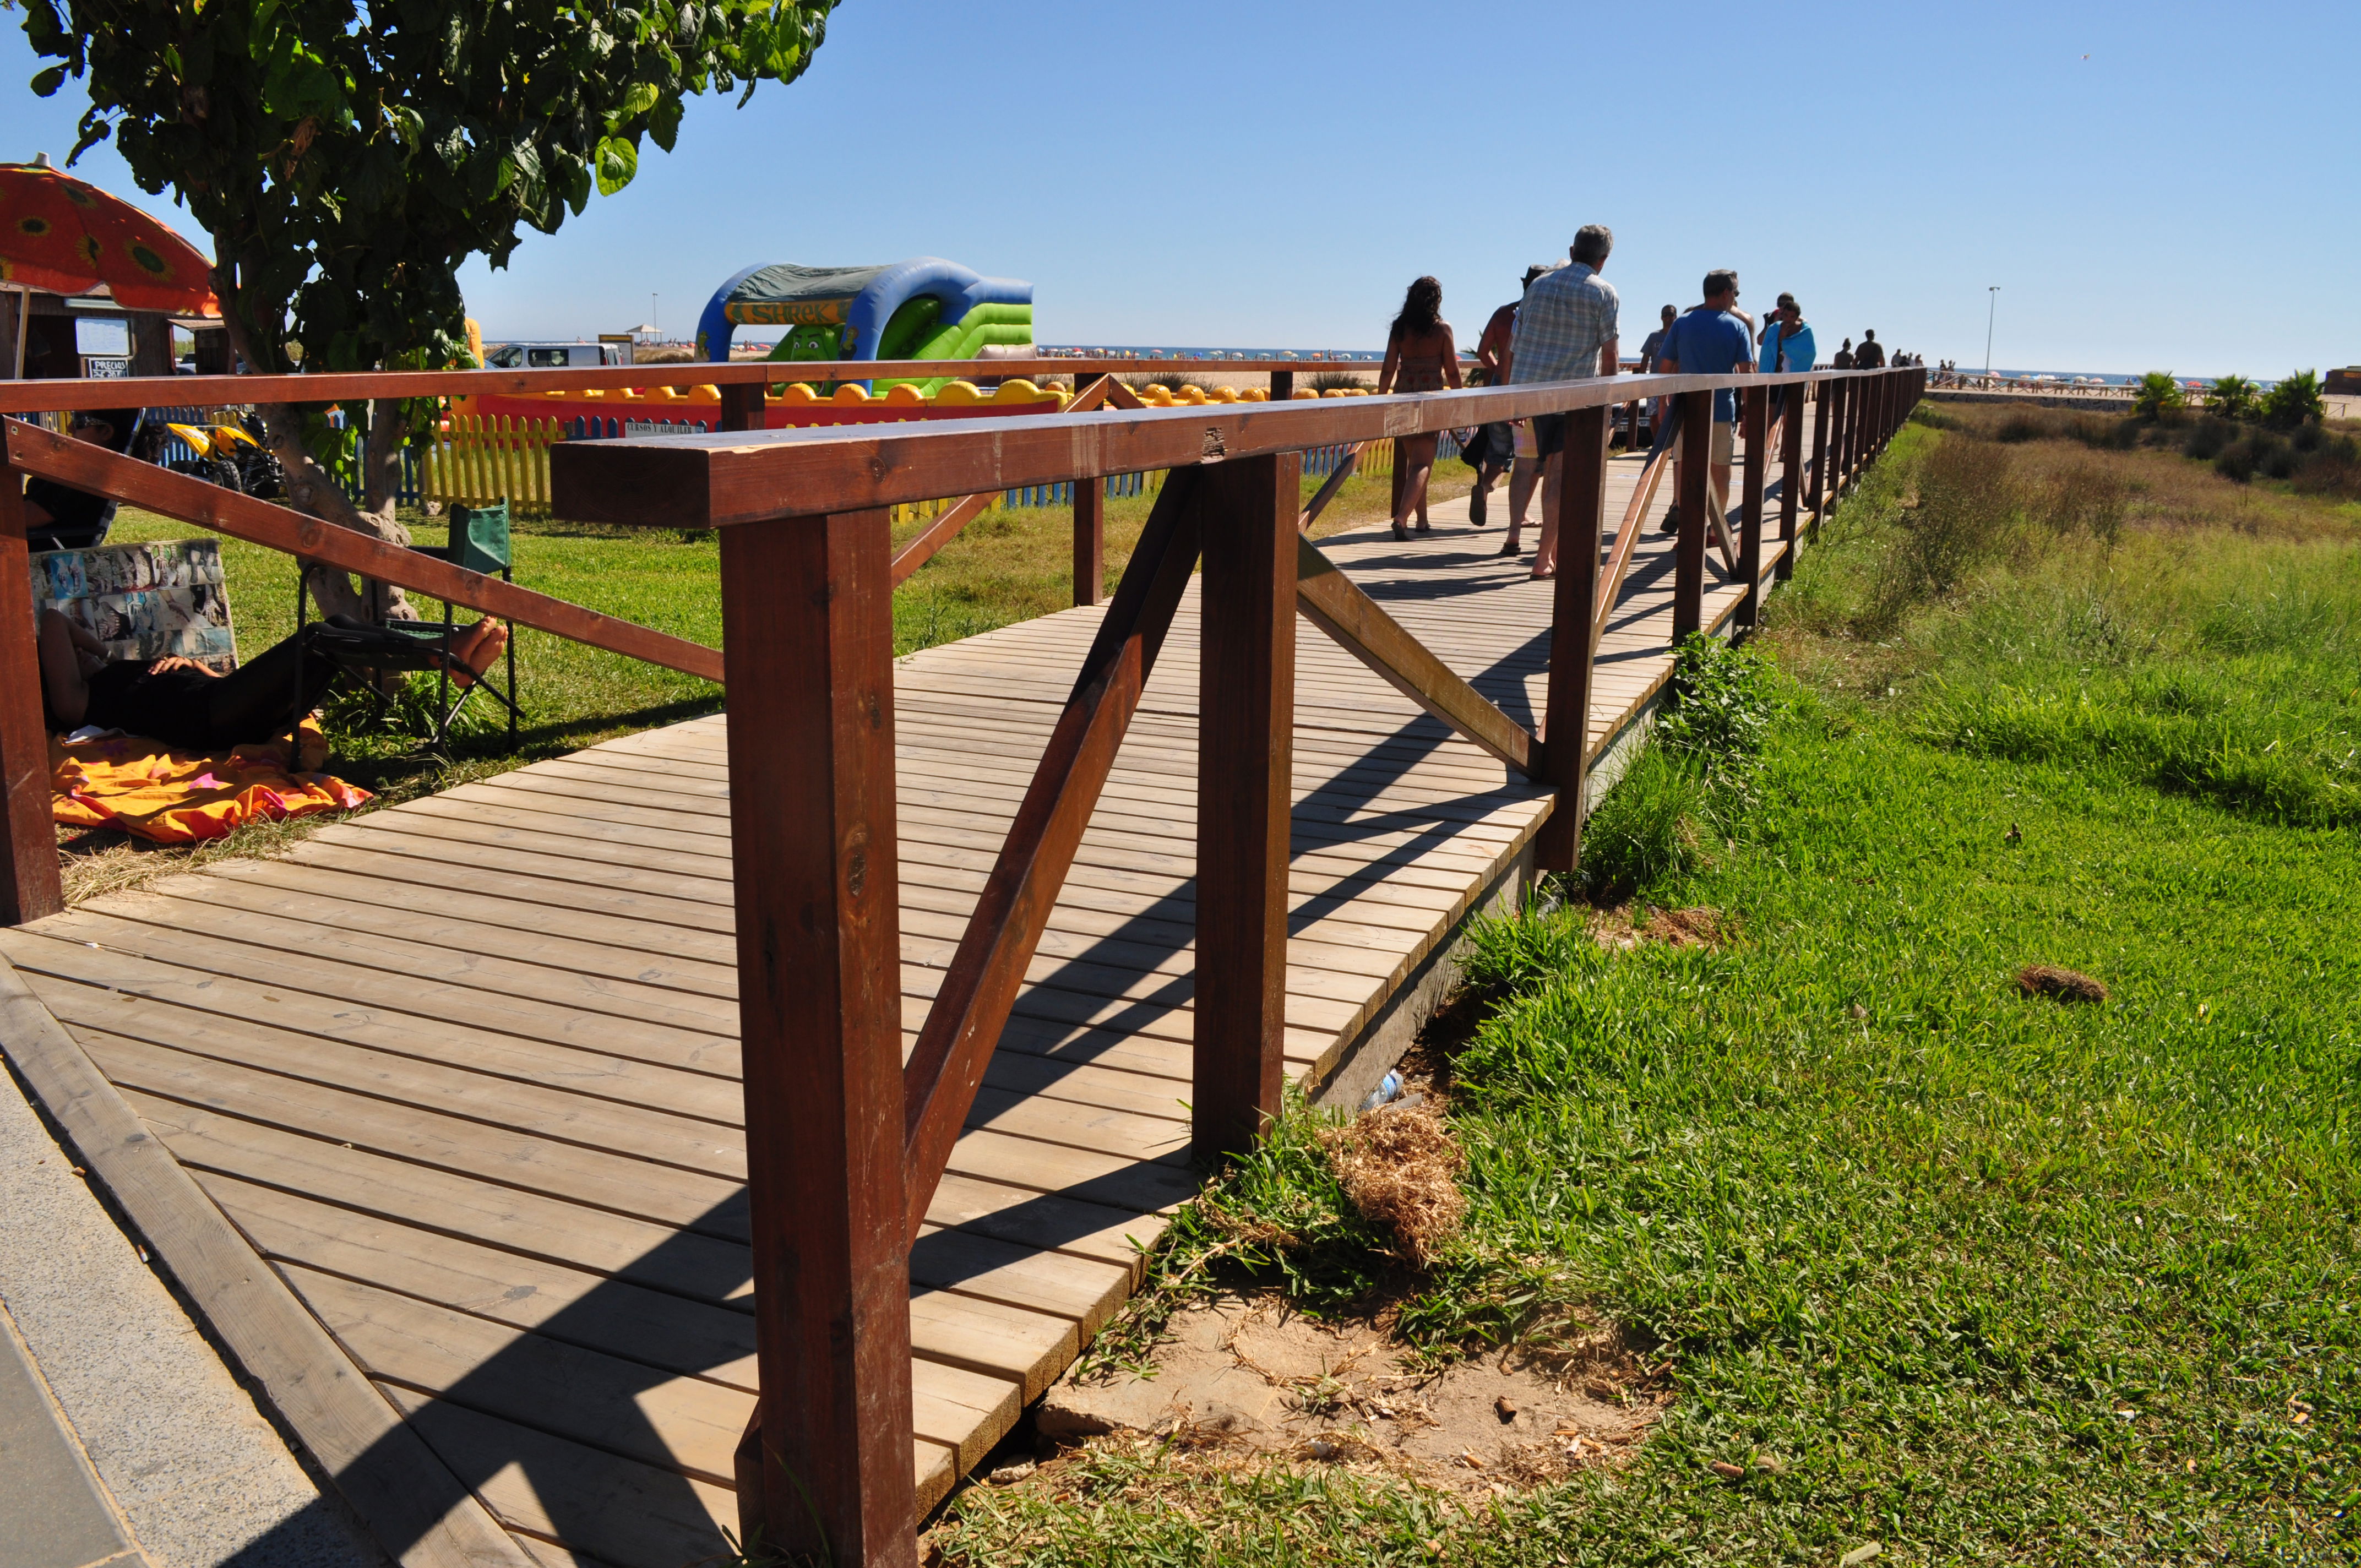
pixel 1420 357
pixel 1565 330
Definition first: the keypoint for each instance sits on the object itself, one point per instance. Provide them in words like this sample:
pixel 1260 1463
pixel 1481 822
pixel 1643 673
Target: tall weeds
pixel 1693 779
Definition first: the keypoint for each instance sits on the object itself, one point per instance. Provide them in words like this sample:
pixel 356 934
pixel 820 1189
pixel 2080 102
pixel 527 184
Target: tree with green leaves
pixel 347 156
pixel 2158 393
pixel 2294 401
pixel 2233 397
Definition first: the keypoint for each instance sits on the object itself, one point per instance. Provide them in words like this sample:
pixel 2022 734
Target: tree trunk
pixel 314 490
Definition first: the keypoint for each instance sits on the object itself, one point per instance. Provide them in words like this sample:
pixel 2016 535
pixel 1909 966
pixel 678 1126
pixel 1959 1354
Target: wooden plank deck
pixel 465 1071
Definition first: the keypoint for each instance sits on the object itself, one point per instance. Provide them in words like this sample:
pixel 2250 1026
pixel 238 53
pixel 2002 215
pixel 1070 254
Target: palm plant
pixel 2294 401
pixel 2157 391
pixel 2233 397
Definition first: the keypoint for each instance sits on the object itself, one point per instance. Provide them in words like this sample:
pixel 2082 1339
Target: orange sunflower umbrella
pixel 62 236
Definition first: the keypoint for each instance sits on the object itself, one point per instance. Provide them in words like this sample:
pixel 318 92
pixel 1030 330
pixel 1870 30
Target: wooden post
pixel 1694 484
pixel 1854 394
pixel 1791 479
pixel 742 406
pixel 1823 402
pixel 1090 539
pixel 1282 386
pixel 28 856
pixel 807 629
pixel 1565 754
pixel 1246 743
pixel 1753 416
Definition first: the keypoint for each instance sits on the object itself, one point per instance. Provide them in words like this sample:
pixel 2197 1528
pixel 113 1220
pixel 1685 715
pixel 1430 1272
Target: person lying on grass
pixel 182 702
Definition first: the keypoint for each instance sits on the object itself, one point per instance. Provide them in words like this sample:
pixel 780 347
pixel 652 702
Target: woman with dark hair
pixel 1420 357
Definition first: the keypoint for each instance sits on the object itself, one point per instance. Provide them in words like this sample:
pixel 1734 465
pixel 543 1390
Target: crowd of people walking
pixel 1564 326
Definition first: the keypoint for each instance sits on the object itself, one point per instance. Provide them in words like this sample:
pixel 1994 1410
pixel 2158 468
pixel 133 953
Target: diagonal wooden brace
pixel 963 1025
pixel 1328 599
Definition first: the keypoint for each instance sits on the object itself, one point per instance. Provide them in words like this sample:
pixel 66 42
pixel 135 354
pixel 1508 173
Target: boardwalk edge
pixel 384 1471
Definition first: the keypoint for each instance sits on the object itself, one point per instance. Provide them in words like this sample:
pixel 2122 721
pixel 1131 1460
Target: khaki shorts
pixel 1526 451
pixel 1722 431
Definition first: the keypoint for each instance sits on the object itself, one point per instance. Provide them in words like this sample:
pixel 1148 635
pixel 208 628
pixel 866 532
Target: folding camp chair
pixel 479 542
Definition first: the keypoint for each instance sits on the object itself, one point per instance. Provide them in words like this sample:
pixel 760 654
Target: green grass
pixel 1986 1279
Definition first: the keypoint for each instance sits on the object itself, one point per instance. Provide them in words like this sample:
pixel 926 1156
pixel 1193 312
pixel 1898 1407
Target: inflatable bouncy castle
pixel 926 308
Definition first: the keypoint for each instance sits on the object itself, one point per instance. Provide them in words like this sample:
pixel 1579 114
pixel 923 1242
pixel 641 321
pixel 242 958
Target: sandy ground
pixel 1248 1374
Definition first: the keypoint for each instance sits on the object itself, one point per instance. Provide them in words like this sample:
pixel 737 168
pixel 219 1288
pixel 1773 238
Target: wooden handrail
pixel 51 396
pixel 725 478
pixel 963 1025
pixel 184 497
pixel 1331 601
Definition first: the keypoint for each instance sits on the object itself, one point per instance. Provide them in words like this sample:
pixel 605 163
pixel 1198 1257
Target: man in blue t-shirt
pixel 1710 341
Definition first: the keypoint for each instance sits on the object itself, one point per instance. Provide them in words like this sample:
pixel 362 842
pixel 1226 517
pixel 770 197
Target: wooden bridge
pixel 560 1239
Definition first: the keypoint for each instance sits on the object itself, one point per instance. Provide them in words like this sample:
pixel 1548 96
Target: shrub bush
pixel 2237 462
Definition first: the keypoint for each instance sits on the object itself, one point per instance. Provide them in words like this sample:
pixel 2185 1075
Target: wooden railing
pixel 845 1143
pixel 834 1194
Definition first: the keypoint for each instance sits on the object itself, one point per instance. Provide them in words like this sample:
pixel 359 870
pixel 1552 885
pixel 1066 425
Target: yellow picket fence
pixel 477 459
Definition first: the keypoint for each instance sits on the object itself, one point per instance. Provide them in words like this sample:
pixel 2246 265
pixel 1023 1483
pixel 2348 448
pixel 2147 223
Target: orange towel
pixel 177 798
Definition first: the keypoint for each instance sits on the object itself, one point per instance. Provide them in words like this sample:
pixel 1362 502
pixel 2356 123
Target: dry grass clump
pixel 2065 984
pixel 1400 1167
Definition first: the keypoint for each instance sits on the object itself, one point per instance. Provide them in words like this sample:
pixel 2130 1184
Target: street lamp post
pixel 1993 310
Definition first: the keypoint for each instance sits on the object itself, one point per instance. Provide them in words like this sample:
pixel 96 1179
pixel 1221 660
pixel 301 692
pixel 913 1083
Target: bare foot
pixel 475 650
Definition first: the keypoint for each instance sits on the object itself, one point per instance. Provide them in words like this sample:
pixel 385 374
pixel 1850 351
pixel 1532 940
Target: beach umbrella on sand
pixel 65 236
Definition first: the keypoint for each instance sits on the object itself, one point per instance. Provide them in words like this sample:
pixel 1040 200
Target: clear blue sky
pixel 1273 174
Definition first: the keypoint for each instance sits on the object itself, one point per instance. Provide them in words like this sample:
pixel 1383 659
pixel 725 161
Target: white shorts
pixel 1723 430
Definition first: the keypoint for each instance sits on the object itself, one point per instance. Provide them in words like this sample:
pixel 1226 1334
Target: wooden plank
pixel 820 1023
pixel 996 949
pixel 183 496
pixel 546 1488
pixel 29 886
pixel 1246 731
pixel 409 1500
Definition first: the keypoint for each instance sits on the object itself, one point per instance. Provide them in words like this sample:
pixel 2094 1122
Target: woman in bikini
pixel 1420 357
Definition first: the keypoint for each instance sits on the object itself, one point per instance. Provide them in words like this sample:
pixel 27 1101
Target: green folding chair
pixel 479 542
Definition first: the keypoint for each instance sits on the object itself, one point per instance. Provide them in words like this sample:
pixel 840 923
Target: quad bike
pixel 233 457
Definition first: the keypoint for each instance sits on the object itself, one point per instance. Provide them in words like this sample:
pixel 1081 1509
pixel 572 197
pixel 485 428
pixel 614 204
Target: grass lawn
pixel 1924 1263
pixel 1008 565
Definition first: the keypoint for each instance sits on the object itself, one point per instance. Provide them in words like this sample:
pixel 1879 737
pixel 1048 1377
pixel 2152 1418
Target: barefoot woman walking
pixel 1420 357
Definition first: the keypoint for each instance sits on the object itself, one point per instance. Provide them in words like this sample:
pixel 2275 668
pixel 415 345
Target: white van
pixel 554 355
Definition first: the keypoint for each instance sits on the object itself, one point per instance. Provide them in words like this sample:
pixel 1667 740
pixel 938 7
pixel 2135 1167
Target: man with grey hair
pixel 1565 330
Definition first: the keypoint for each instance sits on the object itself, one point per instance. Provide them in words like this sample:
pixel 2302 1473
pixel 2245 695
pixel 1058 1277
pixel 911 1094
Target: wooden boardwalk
pixel 465 1071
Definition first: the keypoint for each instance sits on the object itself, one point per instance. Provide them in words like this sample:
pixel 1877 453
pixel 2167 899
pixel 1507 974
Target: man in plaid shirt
pixel 1565 330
